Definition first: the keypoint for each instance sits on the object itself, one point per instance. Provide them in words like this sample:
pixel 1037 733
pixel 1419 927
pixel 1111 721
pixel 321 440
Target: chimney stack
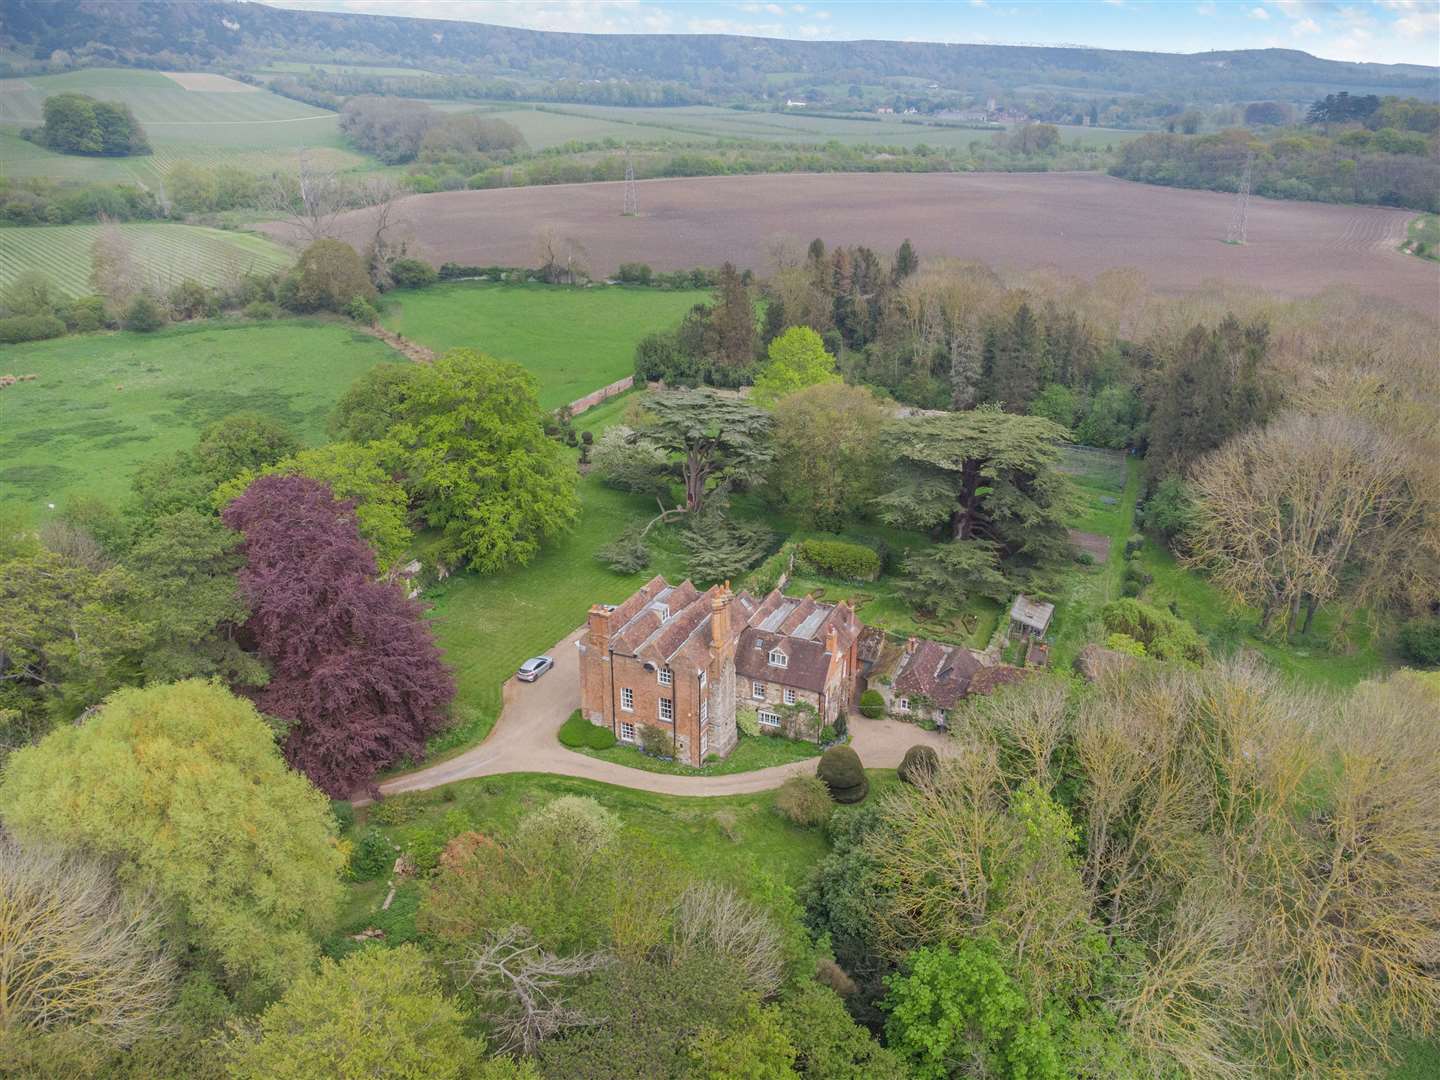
pixel 910 644
pixel 832 640
pixel 599 622
pixel 720 617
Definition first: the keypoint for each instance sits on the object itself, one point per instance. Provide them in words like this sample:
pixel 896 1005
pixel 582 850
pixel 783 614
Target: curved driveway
pixel 525 740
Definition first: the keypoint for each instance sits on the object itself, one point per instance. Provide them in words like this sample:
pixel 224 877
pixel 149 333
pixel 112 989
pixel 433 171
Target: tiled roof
pixel 988 680
pixel 942 673
pixel 800 629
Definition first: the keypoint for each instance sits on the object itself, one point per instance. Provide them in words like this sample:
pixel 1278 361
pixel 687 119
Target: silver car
pixel 533 668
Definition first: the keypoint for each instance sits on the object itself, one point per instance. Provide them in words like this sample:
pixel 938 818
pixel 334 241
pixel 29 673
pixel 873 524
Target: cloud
pixel 1259 13
pixel 1419 24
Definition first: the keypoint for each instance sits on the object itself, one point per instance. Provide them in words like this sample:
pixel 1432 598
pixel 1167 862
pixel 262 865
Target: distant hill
pixel 220 33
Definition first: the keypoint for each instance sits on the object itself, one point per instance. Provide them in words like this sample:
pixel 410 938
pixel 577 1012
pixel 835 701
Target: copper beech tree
pixel 356 669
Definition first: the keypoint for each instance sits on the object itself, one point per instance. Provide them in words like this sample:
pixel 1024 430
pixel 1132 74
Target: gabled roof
pixel 988 680
pixel 942 673
pixel 1031 613
pixel 799 628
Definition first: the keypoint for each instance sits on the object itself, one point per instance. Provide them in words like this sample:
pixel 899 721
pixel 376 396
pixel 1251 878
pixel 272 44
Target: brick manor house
pixel 684 661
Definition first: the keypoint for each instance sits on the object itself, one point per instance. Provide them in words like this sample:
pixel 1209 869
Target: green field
pixel 166 254
pixel 253 128
pixel 105 403
pixel 572 340
pixel 1425 229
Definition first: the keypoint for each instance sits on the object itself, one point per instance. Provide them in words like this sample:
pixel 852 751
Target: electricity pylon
pixel 1240 218
pixel 632 198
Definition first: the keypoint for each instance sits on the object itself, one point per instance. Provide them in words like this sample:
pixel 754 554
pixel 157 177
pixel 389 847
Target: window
pixel 627 699
pixel 903 704
pixel 666 676
pixel 667 710
pixel 704 742
pixel 627 732
pixel 789 696
pixel 703 681
pixel 778 658
pixel 704 713
pixel 757 690
pixel 759 643
pixel 768 718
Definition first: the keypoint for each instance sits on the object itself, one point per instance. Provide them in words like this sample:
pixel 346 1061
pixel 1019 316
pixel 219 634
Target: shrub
pixel 373 855
pixel 1420 641
pixel 1137 573
pixel 804 800
pixel 635 273
pixel 144 314
pixel 601 738
pixel 575 732
pixel 328 276
pixel 748 721
pixel 626 554
pixel 191 300
pixel 1131 588
pixel 261 309
pixel 842 772
pixel 84 314
pixel 573 822
pixel 872 704
pixel 838 559
pixel 1126 644
pixel 842 725
pixel 1164 635
pixel 398 809
pixel 920 763
pixel 19 328
pixel 1134 544
pixel 362 311
pixel 656 741
pixel 344 814
pixel 766 577
pixel 413 273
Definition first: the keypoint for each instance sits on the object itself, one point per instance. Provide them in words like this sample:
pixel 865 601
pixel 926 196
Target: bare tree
pixel 1313 509
pixel 311 199
pixel 73 949
pixel 713 918
pixel 113 270
pixel 387 241
pixel 526 984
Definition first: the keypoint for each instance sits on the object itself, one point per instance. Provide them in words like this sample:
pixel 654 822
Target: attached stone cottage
pixel 682 660
pixel 926 679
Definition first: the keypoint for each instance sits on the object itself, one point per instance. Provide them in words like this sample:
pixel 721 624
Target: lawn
pixel 572 340
pixel 164 254
pixel 740 839
pixel 1107 484
pixel 105 403
pixel 751 753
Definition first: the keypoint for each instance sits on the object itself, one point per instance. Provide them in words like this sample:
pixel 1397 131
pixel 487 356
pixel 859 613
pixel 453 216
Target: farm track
pixel 1075 223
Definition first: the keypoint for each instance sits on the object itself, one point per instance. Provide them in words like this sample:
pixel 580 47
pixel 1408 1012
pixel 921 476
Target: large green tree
pixel 796 359
pixel 828 458
pixel 1213 385
pixel 378 1014
pixel 986 482
pixel 184 787
pixel 472 441
pixel 709 440
pixel 354 472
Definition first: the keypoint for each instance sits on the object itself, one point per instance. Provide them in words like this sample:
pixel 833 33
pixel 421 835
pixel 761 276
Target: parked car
pixel 533 668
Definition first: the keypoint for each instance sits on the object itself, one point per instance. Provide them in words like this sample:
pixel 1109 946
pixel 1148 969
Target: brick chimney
pixel 832 640
pixel 910 645
pixel 720 617
pixel 599 622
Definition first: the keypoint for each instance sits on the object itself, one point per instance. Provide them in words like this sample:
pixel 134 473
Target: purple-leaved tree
pixel 356 669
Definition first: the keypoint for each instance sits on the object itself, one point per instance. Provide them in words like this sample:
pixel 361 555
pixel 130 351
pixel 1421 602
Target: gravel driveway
pixel 525 740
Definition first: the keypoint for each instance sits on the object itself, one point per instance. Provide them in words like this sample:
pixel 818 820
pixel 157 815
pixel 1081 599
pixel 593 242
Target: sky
pixel 1380 31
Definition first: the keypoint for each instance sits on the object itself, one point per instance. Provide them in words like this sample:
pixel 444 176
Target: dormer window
pixel 778 659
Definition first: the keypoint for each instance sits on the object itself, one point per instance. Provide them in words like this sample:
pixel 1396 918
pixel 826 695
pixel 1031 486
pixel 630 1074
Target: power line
pixel 1240 218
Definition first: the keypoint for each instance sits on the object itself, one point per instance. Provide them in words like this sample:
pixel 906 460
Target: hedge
pixel 872 704
pixel 838 559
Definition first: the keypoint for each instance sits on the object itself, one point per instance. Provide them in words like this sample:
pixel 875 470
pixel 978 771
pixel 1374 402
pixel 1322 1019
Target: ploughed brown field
pixel 1077 223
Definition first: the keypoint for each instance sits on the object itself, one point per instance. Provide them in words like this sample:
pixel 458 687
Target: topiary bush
pixel 805 800
pixel 843 774
pixel 575 732
pixel 600 738
pixel 838 559
pixel 872 704
pixel 919 764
